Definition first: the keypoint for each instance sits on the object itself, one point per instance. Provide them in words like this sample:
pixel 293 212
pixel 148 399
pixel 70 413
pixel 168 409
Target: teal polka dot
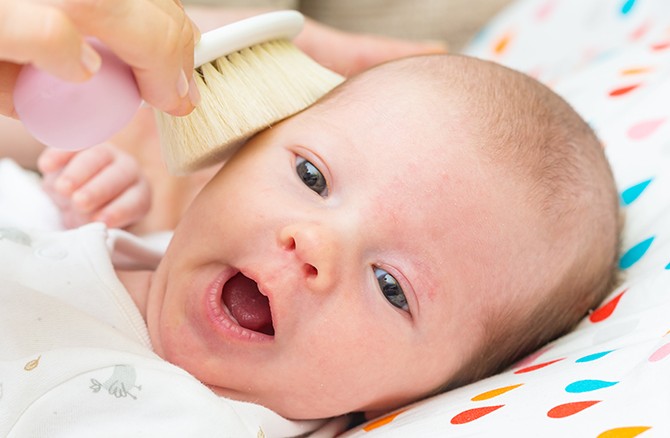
pixel 594 356
pixel 629 195
pixel 627 6
pixel 667 266
pixel 635 253
pixel 588 385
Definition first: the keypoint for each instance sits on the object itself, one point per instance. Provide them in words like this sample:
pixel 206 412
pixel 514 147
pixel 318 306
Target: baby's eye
pixel 311 176
pixel 391 289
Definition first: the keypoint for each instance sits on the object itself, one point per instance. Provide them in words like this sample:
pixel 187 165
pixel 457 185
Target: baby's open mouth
pixel 249 307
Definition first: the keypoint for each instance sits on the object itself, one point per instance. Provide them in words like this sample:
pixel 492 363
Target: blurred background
pixel 452 21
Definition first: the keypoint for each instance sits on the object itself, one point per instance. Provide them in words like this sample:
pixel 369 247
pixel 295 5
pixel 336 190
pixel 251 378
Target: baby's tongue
pixel 250 308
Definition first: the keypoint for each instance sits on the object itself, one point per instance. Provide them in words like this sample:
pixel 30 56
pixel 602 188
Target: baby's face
pixel 340 262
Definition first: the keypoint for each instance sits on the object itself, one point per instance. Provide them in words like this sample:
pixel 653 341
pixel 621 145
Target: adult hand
pixel 155 37
pixel 349 53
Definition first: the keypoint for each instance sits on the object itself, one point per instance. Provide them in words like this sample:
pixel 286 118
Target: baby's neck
pixel 137 284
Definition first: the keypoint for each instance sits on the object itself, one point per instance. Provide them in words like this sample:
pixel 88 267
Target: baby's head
pixel 422 226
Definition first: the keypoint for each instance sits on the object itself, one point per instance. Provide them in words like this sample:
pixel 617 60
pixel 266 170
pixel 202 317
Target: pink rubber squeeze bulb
pixel 74 116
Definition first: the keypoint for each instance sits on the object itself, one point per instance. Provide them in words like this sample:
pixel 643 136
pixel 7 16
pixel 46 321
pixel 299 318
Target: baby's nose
pixel 317 251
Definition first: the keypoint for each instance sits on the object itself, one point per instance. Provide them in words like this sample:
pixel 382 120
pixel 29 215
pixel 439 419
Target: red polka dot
pixel 661 46
pixel 536 367
pixel 473 414
pixel 623 90
pixel 567 409
pixel 607 309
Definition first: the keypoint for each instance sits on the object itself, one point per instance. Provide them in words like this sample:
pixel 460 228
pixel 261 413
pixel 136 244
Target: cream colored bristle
pixel 242 93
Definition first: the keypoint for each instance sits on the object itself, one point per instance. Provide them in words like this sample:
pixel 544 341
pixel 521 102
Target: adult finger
pixel 155 37
pixel 44 36
pixel 350 53
pixel 8 73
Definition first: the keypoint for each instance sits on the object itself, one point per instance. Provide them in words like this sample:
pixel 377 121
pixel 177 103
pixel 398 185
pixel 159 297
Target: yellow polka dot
pixel 382 421
pixel 624 432
pixel 31 365
pixel 494 392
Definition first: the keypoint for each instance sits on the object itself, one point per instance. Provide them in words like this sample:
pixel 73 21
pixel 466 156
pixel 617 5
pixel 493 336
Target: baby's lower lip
pixel 220 317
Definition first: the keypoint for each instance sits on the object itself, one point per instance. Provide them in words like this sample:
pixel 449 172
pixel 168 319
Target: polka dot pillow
pixel 610 377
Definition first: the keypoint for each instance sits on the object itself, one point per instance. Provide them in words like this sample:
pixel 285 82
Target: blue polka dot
pixel 588 385
pixel 667 266
pixel 627 6
pixel 633 192
pixel 594 356
pixel 635 253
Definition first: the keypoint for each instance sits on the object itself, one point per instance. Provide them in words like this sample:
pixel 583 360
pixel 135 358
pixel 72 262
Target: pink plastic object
pixel 73 116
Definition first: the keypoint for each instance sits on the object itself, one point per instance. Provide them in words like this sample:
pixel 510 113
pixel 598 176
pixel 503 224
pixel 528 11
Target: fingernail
pixel 80 200
pixel 63 186
pixel 103 217
pixel 182 85
pixel 90 59
pixel 197 35
pixel 194 93
pixel 44 163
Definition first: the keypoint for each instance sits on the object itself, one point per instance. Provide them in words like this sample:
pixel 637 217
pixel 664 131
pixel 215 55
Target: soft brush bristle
pixel 242 93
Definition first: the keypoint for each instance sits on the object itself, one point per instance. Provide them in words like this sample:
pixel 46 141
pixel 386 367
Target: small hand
pixel 102 184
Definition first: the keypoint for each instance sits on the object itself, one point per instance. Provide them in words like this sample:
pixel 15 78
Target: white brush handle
pixel 246 33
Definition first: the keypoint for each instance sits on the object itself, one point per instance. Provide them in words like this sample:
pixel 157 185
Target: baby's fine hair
pixel 536 136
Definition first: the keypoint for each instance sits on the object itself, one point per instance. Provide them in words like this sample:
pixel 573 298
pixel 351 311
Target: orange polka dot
pixel 382 421
pixel 635 71
pixel 502 44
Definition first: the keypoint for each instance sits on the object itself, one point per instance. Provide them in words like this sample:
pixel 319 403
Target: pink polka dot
pixel 644 129
pixel 545 10
pixel 640 31
pixel 660 354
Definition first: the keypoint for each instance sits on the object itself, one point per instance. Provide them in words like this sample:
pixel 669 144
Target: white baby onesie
pixel 75 356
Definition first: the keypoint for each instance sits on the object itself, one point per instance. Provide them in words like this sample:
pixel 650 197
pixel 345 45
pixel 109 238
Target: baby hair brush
pixel 250 76
pixel 248 73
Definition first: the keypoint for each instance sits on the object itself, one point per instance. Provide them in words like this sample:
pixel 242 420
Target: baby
pixel 424 225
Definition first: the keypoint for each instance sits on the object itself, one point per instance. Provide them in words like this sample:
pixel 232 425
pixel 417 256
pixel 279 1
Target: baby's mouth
pixel 249 307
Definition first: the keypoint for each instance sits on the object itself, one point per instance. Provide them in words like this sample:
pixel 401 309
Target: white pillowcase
pixel 610 377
